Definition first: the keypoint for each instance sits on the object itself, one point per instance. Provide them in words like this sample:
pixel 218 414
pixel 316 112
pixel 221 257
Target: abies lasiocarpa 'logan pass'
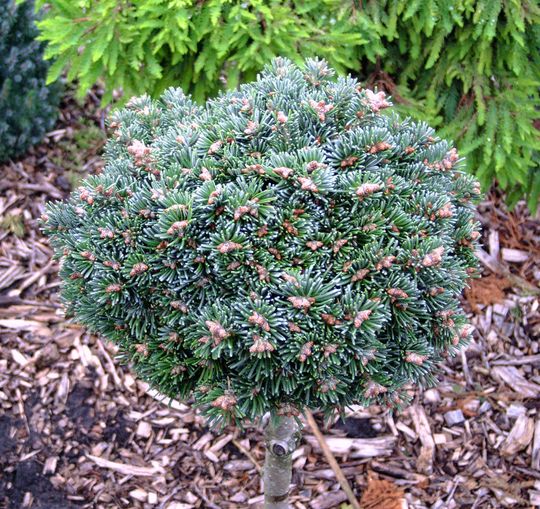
pixel 285 245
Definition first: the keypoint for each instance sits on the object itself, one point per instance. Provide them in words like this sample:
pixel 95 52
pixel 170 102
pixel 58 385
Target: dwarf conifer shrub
pixel 286 245
pixel 28 108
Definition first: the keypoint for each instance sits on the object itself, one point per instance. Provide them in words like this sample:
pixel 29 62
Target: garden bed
pixel 78 430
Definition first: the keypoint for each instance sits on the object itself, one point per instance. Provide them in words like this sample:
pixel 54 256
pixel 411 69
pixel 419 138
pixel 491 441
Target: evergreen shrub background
pixel 285 245
pixel 28 108
pixel 471 68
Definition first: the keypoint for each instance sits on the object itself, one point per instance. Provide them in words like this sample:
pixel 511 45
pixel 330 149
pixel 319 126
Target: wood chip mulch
pixel 78 430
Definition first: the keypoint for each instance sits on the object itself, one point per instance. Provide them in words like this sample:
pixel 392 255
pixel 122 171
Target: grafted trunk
pixel 281 436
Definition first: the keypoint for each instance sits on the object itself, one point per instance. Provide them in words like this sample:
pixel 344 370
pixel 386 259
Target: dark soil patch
pixel 7 444
pixel 117 429
pixel 27 477
pixel 356 427
pixel 78 410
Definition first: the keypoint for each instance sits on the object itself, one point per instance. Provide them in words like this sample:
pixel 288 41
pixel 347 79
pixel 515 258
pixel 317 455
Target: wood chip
pixel 19 358
pixel 519 437
pixel 328 500
pixel 50 465
pixel 383 494
pixel 139 494
pixel 123 468
pixel 454 417
pixel 424 462
pixel 238 465
pixel 514 255
pixel 535 456
pixel 221 443
pixel 516 381
pixel 357 447
pixel 60 404
pixel 393 470
pixel 144 429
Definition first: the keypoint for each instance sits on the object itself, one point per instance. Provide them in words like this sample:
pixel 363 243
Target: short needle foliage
pixel 287 245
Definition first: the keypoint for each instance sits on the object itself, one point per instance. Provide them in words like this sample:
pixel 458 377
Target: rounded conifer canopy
pixel 287 245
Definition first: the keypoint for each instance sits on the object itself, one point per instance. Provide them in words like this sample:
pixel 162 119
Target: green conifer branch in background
pixel 470 68
pixel 28 108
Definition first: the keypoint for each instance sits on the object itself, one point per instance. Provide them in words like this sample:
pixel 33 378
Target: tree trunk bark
pixel 281 436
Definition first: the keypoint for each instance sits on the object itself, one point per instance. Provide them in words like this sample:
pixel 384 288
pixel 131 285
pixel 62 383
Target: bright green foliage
pixel 469 67
pixel 284 246
pixel 27 107
pixel 474 67
pixel 149 45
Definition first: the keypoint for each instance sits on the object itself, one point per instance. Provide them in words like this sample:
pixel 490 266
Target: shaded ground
pixel 78 430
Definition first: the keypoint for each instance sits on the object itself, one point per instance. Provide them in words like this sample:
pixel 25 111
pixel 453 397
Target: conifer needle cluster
pixel 288 244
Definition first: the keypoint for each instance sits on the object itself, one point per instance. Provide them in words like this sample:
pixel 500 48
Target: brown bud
pixel 367 189
pixel 321 108
pixel 262 231
pixel 338 245
pixel 445 211
pixel 349 161
pixel 415 358
pixel 305 351
pixel 258 319
pixel 329 319
pixel 226 402
pixel 205 175
pixel 379 147
pixel 89 256
pixel 373 389
pixel 113 288
pixel 261 345
pixel 177 227
pixel 361 317
pixel 303 303
pixel 308 185
pixel 385 263
pixel 397 293
pixel 180 306
pixel 359 275
pixel 215 147
pixel 281 117
pixel 290 228
pixel 228 246
pixel 142 349
pixel 330 349
pixel 251 127
pixel 434 257
pixel 293 327
pixel 217 331
pixel 138 268
pixel 314 244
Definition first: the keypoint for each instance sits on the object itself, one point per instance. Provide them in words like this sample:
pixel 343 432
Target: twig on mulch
pixel 331 460
pixel 250 456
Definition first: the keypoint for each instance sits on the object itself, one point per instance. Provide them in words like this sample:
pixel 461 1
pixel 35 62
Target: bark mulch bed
pixel 78 430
